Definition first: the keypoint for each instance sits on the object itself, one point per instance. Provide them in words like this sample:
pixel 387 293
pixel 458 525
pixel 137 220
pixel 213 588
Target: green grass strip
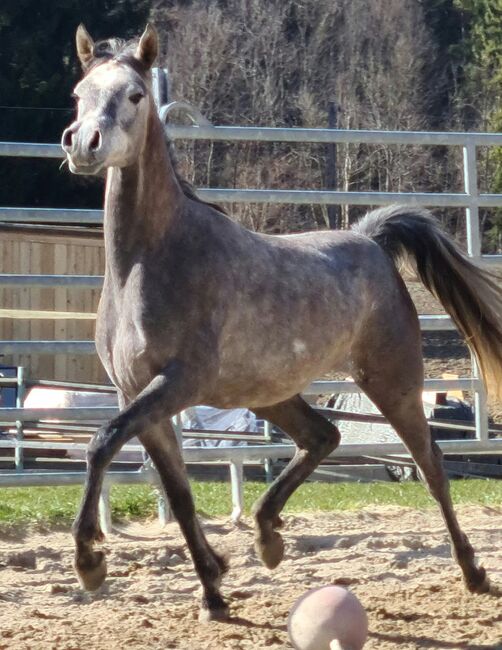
pixel 50 506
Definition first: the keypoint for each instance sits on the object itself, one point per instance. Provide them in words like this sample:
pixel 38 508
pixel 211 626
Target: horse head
pixel 114 100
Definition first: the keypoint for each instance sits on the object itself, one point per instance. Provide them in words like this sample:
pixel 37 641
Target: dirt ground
pixel 395 560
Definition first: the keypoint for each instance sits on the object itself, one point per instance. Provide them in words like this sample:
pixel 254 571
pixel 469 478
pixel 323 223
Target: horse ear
pixel 85 46
pixel 148 46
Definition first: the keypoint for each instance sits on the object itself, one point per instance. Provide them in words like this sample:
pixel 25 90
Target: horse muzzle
pixel 83 145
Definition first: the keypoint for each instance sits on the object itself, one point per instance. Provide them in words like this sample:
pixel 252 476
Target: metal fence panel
pixel 471 200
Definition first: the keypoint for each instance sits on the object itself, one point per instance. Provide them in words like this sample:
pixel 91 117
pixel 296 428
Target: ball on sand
pixel 327 618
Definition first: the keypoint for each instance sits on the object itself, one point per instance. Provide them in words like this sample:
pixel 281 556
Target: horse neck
pixel 142 202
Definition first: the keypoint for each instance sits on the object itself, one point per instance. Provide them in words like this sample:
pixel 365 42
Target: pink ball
pixel 326 618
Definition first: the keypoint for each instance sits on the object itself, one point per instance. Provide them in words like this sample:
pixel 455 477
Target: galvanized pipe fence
pixel 471 200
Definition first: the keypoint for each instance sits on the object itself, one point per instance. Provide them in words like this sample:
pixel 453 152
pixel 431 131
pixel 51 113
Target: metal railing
pixel 470 199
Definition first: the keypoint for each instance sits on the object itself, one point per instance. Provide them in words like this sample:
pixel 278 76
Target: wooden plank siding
pixel 43 254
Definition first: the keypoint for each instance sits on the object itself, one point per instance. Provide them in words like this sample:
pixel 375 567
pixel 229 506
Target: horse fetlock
pixel 223 564
pixel 213 608
pixel 90 567
pixel 87 533
pixel 476 580
pixel 270 548
pixel 215 571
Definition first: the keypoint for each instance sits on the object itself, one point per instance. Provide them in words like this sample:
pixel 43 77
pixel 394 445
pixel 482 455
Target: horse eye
pixel 136 98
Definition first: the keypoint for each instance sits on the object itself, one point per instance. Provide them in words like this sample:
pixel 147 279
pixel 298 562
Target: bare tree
pixel 278 64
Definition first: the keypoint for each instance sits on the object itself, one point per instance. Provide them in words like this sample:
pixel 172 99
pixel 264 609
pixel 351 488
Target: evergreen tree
pixel 483 46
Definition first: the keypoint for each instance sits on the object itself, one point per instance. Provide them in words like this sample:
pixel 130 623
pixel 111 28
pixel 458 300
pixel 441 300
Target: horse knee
pixel 99 450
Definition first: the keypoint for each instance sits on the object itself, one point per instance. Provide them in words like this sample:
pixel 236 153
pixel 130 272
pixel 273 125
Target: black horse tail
pixel 469 294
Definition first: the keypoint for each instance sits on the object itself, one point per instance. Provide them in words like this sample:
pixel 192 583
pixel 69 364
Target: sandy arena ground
pixel 396 561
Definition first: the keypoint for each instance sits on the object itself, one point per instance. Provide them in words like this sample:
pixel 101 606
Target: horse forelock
pixel 116 49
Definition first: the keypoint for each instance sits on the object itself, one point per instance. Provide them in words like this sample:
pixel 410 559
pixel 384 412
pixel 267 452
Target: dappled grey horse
pixel 196 309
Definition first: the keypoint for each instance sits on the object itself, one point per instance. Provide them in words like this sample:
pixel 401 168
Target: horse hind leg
pixel 398 395
pixel 315 438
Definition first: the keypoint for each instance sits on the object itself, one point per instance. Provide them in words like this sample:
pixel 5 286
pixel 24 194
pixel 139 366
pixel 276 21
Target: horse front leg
pixel 315 438
pixel 162 446
pixel 166 395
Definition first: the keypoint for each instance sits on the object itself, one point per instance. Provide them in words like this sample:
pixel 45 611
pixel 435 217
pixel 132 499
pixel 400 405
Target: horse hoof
pixel 270 552
pixel 91 570
pixel 478 582
pixel 221 613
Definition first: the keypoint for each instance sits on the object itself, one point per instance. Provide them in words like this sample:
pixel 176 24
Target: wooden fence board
pixel 42 254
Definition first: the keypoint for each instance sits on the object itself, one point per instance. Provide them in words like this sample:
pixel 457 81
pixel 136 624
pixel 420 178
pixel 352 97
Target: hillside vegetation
pixel 385 64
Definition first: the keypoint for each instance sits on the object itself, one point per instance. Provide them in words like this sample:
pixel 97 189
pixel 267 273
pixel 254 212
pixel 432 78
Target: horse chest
pixel 122 344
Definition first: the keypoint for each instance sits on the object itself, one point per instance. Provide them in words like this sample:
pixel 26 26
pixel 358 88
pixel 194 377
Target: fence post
pixel 105 511
pixel 20 390
pixel 269 466
pixel 160 86
pixel 472 191
pixel 333 211
pixel 237 483
pixel 163 511
pixel 474 250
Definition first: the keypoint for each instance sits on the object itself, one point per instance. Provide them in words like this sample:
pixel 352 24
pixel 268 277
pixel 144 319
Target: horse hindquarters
pixel 390 372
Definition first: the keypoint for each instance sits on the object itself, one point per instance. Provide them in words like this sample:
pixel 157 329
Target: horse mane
pixel 117 49
pixel 187 187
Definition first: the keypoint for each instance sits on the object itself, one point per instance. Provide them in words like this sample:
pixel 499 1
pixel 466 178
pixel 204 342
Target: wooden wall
pixel 43 254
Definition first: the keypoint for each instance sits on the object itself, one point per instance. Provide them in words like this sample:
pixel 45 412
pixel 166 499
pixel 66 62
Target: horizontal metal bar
pixel 198 454
pixel 71 446
pixel 427 323
pixel 71 385
pixel 74 281
pixel 47 347
pixel 376 418
pixel 266 134
pixel 98 413
pixel 491 260
pixel 37 479
pixel 79 347
pixel 435 323
pixel 223 195
pixel 90 413
pixel 261 452
pixel 51 215
pixel 332 197
pixel 298 197
pixel 324 387
pixel 31 150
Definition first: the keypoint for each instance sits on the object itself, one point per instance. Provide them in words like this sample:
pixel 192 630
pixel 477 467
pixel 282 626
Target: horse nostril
pixel 95 142
pixel 68 139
